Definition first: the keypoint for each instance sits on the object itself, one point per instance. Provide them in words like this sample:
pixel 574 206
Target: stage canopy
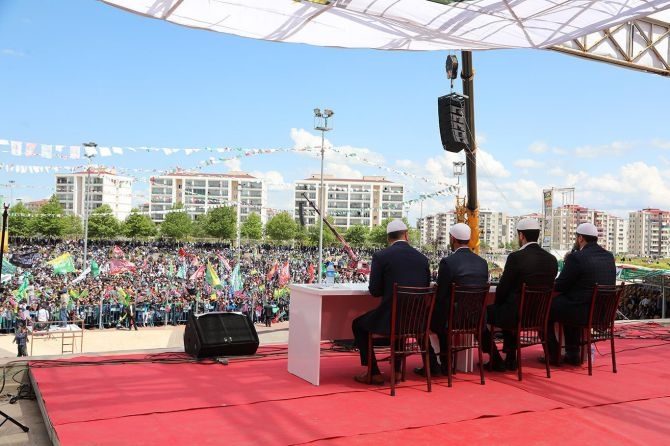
pixel 404 24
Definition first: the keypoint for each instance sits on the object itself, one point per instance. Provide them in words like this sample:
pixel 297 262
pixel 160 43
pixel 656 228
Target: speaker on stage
pixel 220 334
pixel 453 129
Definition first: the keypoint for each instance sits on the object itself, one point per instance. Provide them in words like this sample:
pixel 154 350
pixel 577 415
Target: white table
pixel 318 313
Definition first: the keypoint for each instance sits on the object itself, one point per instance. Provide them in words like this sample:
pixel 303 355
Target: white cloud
pixel 538 147
pixel 234 165
pixel 660 144
pixel 608 150
pixel 489 166
pixel 556 171
pixel 528 164
pixel 12 52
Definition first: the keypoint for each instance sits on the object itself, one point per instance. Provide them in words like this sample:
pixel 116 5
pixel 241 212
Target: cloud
pixel 528 164
pixel 660 144
pixel 489 166
pixel 234 165
pixel 608 150
pixel 538 147
pixel 12 52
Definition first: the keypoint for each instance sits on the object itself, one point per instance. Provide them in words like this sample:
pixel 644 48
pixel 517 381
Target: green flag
pixel 236 279
pixel 7 268
pixel 95 269
pixel 212 278
pixel 21 293
pixel 62 264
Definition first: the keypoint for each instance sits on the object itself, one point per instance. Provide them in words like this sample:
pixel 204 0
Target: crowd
pixel 163 281
pixel 641 301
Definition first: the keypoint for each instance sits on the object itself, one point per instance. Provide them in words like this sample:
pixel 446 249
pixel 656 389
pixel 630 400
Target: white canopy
pixel 401 24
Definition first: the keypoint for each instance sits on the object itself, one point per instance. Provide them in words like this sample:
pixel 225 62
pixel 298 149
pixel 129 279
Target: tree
pixel 356 235
pixel 252 228
pixel 138 225
pixel 102 223
pixel 377 235
pixel 281 227
pixel 328 236
pixel 19 221
pixel 50 221
pixel 73 225
pixel 221 222
pixel 177 223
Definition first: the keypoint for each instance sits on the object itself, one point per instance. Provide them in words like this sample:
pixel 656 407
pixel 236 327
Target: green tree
pixel 281 227
pixel 177 223
pixel 198 226
pixel 19 221
pixel 73 225
pixel 50 221
pixel 377 235
pixel 138 225
pixel 356 235
pixel 221 222
pixel 328 236
pixel 102 223
pixel 252 228
pixel 302 236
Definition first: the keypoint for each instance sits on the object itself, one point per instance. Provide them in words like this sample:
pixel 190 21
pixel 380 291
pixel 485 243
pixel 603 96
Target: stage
pixel 167 398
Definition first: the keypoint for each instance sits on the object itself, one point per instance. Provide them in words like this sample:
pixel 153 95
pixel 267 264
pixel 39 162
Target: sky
pixel 79 70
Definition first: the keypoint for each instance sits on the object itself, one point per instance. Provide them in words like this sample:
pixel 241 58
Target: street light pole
pixel 321 124
pixel 89 154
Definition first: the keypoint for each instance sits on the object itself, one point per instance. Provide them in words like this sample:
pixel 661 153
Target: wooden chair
pixel 464 325
pixel 411 310
pixel 533 310
pixel 600 323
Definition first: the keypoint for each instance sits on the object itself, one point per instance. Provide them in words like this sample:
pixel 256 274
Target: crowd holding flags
pixel 62 264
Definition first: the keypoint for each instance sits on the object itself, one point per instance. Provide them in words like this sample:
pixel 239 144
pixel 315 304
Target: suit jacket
pixel 462 267
pixel 399 263
pixel 531 265
pixel 583 269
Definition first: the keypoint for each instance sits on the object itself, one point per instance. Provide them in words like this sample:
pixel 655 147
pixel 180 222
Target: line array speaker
pixel 453 129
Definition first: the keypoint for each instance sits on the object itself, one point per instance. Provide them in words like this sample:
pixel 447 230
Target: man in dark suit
pixel 531 265
pixel 462 267
pixel 587 265
pixel 398 263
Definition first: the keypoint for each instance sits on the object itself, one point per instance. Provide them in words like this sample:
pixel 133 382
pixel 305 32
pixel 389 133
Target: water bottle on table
pixel 330 275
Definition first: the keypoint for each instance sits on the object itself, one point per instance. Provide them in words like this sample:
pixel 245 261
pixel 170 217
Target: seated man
pixel 463 267
pixel 587 265
pixel 531 265
pixel 398 263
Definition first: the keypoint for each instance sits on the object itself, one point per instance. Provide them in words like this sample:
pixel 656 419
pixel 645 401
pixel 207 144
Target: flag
pixel 310 273
pixel 123 296
pixel 199 273
pixel 21 294
pixel 170 271
pixel 284 275
pixel 224 262
pixel 62 264
pixel 95 269
pixel 26 259
pixel 236 279
pixel 117 251
pixel 272 272
pixel 7 268
pixel 81 276
pixel 181 272
pixel 5 240
pixel 117 266
pixel 212 278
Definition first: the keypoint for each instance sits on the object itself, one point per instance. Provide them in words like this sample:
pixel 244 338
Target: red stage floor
pixel 164 399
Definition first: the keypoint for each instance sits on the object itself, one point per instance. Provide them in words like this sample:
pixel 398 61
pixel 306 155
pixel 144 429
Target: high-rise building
pixel 492 229
pixel 200 192
pixel 367 201
pixel 649 233
pixel 93 188
pixel 434 229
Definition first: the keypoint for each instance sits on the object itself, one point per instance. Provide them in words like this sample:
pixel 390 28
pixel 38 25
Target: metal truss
pixel 642 44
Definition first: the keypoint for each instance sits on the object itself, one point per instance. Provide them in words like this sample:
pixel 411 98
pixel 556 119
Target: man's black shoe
pixel 434 371
pixel 572 360
pixel 495 366
pixel 510 362
pixel 543 360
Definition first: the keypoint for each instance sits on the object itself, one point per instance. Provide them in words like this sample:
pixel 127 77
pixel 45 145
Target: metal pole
pixel 5 215
pixel 321 205
pixel 467 76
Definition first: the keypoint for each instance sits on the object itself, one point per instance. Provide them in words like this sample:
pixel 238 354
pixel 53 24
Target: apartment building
pixel 93 188
pixel 350 201
pixel 649 233
pixel 200 192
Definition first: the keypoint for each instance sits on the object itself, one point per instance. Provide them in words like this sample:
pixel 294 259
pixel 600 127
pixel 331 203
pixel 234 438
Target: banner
pixel 26 259
pixel 236 279
pixel 117 251
pixel 7 268
pixel 284 275
pixel 117 266
pixel 95 269
pixel 198 274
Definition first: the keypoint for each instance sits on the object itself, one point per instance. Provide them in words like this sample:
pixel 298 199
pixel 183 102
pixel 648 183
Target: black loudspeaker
pixel 453 129
pixel 301 212
pixel 220 334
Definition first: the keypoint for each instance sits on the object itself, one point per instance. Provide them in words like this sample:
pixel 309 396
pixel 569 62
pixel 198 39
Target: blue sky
pixel 78 70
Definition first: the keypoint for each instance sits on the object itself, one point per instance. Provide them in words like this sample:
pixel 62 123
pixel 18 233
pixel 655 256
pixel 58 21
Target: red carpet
pixel 164 399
